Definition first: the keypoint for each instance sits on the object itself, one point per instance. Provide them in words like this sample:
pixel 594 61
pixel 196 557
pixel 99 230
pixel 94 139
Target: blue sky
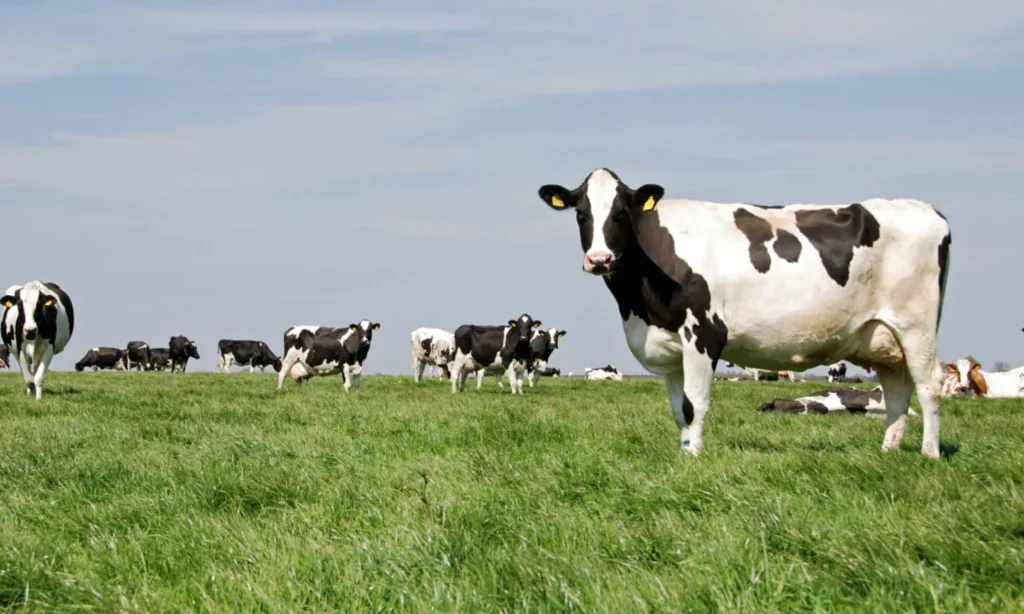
pixel 228 169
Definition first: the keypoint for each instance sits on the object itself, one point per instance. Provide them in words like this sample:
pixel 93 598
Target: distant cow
pixel 159 359
pixel 104 358
pixel 852 400
pixel 312 351
pixel 252 354
pixel 542 345
pixel 37 325
pixel 493 348
pixel 551 372
pixel 138 355
pixel 607 372
pixel 994 385
pixel 5 357
pixel 837 372
pixel 434 347
pixel 182 348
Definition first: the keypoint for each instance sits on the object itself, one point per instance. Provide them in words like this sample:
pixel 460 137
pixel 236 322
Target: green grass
pixel 204 492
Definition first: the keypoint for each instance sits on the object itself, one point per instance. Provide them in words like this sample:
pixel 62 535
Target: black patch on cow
pixel 425 344
pixel 248 353
pixel 835 234
pixel 784 405
pixel 758 231
pixel 943 263
pixel 66 302
pixel 687 410
pixel 139 354
pixel 159 359
pixel 816 407
pixel 102 358
pixel 787 246
pixel 876 395
pixel 687 334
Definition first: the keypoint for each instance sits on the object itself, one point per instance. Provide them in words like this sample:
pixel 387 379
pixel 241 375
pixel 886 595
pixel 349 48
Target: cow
pixel 551 372
pixel 138 355
pixel 5 357
pixel 848 399
pixel 252 354
pixel 181 349
pixel 607 372
pixel 37 325
pixel 312 351
pixel 493 348
pixel 159 359
pixel 971 378
pixel 542 345
pixel 691 278
pixel 434 347
pixel 104 358
pixel 837 372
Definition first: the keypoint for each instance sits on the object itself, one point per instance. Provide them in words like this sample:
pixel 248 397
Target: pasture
pixel 207 492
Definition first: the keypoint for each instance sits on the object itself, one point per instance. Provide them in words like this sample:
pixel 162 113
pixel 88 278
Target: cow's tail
pixel 945 253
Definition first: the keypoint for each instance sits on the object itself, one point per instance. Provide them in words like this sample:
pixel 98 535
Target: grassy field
pixel 206 492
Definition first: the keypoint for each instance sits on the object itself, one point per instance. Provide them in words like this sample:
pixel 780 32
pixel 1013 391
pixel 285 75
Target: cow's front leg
pixel 513 379
pixel 346 376
pixel 26 372
pixel 356 373
pixel 698 371
pixel 40 375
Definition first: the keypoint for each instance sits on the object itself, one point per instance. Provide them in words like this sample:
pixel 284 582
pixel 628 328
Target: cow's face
pixel 37 312
pixel 603 205
pixel 192 350
pixel 554 334
pixel 365 331
pixel 519 332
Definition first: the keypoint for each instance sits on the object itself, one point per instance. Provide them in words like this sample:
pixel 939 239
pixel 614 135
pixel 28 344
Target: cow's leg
pixel 286 367
pixel 897 388
pixel 480 378
pixel 462 383
pixel 513 379
pixel 418 369
pixel 346 375
pixel 41 369
pixel 252 368
pixel 356 373
pixel 677 401
pixel 497 378
pixel 698 372
pixel 925 371
pixel 26 372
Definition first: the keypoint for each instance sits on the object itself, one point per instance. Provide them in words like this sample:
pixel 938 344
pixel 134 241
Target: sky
pixel 229 169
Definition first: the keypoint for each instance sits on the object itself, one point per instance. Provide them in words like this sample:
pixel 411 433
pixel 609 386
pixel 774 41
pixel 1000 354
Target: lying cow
pixel 551 372
pixel 852 400
pixel 5 357
pixel 252 354
pixel 138 355
pixel 690 278
pixel 312 351
pixel 115 359
pixel 159 359
pixel 37 325
pixel 434 347
pixel 837 372
pixel 182 349
pixel 970 378
pixel 493 348
pixel 603 373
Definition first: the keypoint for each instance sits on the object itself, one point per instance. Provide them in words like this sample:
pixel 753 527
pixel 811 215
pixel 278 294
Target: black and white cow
pixel 493 348
pixel 837 372
pixel 607 372
pixel 181 349
pixel 542 345
pixel 551 372
pixel 852 400
pixel 104 358
pixel 862 283
pixel 5 357
pixel 312 351
pixel 159 359
pixel 138 355
pixel 252 354
pixel 37 325
pixel 434 347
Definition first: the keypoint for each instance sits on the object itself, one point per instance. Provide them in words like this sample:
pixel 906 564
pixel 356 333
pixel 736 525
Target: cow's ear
pixel 536 323
pixel 951 367
pixel 512 323
pixel 560 333
pixel 646 197
pixel 376 326
pixel 354 327
pixel 976 367
pixel 557 197
pixel 7 301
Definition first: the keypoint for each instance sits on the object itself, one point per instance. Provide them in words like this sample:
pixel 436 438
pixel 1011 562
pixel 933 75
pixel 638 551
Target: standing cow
pixel 252 354
pixel 312 351
pixel 434 347
pixel 181 348
pixel 37 325
pixel 837 372
pixel 104 358
pixel 493 348
pixel 542 345
pixel 159 359
pixel 690 278
pixel 138 355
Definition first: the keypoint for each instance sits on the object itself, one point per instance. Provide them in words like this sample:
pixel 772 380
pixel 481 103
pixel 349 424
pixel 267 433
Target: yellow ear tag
pixel 48 302
pixel 557 203
pixel 8 304
pixel 650 205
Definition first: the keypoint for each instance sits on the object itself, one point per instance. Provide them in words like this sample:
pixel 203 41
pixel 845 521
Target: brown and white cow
pixel 862 283
pixel 971 378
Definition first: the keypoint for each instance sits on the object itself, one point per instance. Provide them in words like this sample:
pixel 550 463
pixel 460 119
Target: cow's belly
pixel 656 349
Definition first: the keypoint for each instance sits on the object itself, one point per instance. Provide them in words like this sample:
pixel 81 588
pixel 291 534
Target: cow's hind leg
pixel 698 372
pixel 925 374
pixel 897 388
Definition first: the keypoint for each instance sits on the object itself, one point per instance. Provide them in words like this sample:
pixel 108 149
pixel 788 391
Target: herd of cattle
pixel 775 289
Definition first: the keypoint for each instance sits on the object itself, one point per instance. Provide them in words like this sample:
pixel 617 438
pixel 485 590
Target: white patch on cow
pixel 601 190
pixel 658 350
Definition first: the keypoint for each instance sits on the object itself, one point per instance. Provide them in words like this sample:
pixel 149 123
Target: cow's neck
pixel 643 289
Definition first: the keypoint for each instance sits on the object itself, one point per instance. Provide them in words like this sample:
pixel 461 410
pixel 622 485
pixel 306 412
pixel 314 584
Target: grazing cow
pixel 434 347
pixel 37 325
pixel 312 351
pixel 159 359
pixel 690 279
pixel 5 357
pixel 182 348
pixel 104 358
pixel 493 348
pixel 603 373
pixel 542 345
pixel 837 372
pixel 970 378
pixel 138 355
pixel 252 354
pixel 853 400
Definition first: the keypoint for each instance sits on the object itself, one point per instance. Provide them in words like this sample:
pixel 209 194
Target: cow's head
pixel 555 334
pixel 191 349
pixel 969 377
pixel 365 331
pixel 520 331
pixel 36 309
pixel 603 205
